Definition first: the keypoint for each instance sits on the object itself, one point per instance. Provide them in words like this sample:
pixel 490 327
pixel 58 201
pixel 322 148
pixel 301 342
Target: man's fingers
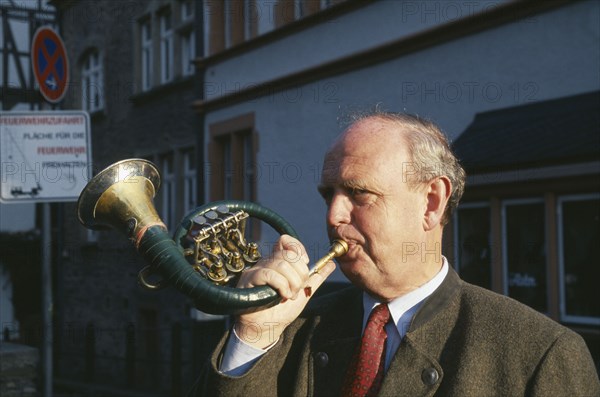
pixel 291 250
pixel 286 278
pixel 286 270
pixel 317 279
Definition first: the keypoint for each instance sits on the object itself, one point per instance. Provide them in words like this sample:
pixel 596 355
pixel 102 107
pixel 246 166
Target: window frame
pixel 168 169
pixel 186 5
pixel 456 233
pixel 95 74
pixel 504 247
pixel 564 317
pixel 299 9
pixel 146 54
pixel 188 51
pixel 227 23
pixel 235 131
pixel 190 180
pixel 167 54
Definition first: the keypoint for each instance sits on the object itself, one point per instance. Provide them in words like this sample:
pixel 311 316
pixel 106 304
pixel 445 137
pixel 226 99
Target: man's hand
pixel 286 271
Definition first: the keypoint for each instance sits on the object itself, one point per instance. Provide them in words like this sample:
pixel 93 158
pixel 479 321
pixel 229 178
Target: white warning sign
pixel 44 156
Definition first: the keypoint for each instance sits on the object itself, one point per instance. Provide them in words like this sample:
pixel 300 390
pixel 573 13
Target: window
pixel 229 22
pixel 524 252
pixel 187 10
pixel 249 169
pixel 169 201
pixel 166 47
pixel 251 19
pixel 188 52
pixel 233 178
pixel 472 244
pixel 189 181
pixel 146 48
pixel 187 38
pixel 228 166
pixel 298 9
pixel 169 33
pixel 240 21
pixel 232 161
pixel 92 90
pixel 235 166
pixel 177 195
pixel 262 16
pixel 579 250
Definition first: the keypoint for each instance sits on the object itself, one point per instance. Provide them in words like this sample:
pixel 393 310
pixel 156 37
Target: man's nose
pixel 338 211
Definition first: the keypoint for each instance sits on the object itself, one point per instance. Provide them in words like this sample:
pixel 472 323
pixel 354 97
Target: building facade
pixel 132 71
pixel 273 83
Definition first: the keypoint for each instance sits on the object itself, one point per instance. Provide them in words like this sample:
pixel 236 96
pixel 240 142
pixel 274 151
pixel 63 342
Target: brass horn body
pixel 120 197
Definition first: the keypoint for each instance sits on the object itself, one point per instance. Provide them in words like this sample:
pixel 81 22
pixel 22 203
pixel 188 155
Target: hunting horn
pixel 209 249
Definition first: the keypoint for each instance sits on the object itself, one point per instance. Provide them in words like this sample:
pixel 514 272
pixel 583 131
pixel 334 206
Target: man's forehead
pixel 349 167
pixel 369 147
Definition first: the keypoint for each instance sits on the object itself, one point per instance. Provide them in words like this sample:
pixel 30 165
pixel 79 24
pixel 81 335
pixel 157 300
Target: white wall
pixel 369 26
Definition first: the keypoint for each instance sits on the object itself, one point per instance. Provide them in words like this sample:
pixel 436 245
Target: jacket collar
pixel 437 301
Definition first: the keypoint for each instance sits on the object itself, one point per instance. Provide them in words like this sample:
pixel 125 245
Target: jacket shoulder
pixel 502 315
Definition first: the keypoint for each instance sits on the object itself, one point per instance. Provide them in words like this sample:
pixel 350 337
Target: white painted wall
pixel 370 26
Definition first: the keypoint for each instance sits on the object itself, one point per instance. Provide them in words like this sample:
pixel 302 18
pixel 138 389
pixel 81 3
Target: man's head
pixel 390 183
pixel 431 155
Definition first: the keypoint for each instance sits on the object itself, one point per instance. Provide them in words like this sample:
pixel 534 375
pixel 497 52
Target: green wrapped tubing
pixel 166 258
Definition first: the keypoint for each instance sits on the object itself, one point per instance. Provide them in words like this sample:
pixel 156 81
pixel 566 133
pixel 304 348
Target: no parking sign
pixel 50 64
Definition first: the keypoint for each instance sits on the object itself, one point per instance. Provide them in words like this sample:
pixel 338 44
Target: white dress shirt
pixel 239 357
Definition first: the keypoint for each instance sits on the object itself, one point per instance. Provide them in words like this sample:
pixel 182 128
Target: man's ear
pixel 438 193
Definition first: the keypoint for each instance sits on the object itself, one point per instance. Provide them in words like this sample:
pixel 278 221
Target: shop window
pixel 472 244
pixel 579 250
pixel 524 252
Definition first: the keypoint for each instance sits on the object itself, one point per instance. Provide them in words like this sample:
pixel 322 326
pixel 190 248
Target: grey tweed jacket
pixel 463 341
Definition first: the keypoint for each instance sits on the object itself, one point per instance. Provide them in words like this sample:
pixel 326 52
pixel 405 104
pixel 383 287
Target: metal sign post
pixel 47 303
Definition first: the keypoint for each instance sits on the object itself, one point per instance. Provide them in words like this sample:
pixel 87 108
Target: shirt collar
pixel 403 308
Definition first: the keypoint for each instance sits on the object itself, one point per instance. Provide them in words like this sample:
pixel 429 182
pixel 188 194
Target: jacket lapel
pixel 413 370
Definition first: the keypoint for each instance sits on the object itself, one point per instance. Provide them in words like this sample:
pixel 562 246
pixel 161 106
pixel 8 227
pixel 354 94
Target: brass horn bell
pixel 120 197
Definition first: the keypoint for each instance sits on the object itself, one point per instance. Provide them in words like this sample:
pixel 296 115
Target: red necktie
pixel 366 369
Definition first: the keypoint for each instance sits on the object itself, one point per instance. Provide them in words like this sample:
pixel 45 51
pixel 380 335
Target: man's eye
pixel 362 196
pixel 358 192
